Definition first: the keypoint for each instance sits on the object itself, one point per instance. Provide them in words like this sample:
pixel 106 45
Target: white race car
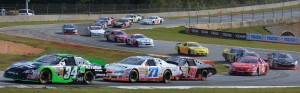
pixel 95 31
pixel 153 20
pixel 141 68
pixel 133 17
pixel 139 40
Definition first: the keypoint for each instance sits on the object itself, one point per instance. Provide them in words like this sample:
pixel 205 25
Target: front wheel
pixel 136 44
pixel 178 51
pixel 88 77
pixel 167 76
pixel 45 76
pixel 133 76
pixel 189 52
pixel 204 75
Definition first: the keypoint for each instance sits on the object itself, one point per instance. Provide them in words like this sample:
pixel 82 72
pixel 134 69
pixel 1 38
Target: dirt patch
pixel 7 47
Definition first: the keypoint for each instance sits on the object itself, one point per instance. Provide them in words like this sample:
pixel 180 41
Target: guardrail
pixel 244 36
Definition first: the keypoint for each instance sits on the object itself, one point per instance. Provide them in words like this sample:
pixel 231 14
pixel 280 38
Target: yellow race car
pixel 191 48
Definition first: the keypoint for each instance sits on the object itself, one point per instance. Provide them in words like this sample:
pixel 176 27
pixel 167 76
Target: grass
pixel 193 90
pixel 239 12
pixel 105 55
pixel 177 34
pixel 7 24
pixel 253 29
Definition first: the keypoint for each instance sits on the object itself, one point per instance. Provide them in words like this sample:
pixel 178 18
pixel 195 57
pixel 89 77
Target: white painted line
pixel 189 87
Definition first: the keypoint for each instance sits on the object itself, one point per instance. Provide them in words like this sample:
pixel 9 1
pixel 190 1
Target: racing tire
pixel 153 22
pixel 134 76
pixel 88 77
pixel 257 72
pixel 136 44
pixel 45 76
pixel 204 75
pixel 178 51
pixel 107 39
pixel 160 22
pixel 126 42
pixel 189 51
pixel 167 76
pixel 116 40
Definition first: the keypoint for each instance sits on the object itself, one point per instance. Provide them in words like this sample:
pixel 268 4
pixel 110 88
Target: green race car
pixel 56 68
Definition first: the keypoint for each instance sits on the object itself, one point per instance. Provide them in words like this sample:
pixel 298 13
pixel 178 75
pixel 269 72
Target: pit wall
pixel 163 14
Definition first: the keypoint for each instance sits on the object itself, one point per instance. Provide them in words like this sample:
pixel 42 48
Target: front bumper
pixel 241 72
pixel 97 34
pixel 20 76
pixel 199 52
pixel 116 77
pixel 285 67
pixel 147 44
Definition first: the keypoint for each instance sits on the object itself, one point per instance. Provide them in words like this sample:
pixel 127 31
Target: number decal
pixel 153 72
pixel 70 72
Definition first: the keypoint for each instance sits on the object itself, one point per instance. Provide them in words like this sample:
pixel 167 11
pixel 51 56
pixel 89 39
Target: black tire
pixel 257 72
pixel 126 42
pixel 17 80
pixel 204 75
pixel 189 51
pixel 133 76
pixel 107 39
pixel 160 21
pixel 116 40
pixel 178 50
pixel 88 77
pixel 167 76
pixel 136 44
pixel 152 22
pixel 45 76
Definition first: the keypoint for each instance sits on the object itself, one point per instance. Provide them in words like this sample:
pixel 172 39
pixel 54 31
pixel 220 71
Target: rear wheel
pixel 178 51
pixel 107 39
pixel 257 72
pixel 204 75
pixel 116 40
pixel 133 76
pixel 45 76
pixel 88 77
pixel 126 42
pixel 167 76
pixel 189 52
pixel 136 44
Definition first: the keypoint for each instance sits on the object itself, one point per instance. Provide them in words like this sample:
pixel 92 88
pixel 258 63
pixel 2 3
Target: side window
pixel 69 61
pixel 80 61
pixel 191 62
pixel 182 62
pixel 150 62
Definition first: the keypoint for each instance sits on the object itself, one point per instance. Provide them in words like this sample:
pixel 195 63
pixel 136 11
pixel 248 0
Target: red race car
pixel 249 65
pixel 116 36
pixel 192 69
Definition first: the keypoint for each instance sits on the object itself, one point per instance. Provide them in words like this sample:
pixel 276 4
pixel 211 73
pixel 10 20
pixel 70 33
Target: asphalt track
pixel 53 33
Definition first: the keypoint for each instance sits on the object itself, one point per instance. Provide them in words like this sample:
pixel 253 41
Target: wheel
pixel 107 39
pixel 133 76
pixel 136 44
pixel 45 76
pixel 88 77
pixel 116 40
pixel 189 52
pixel 160 21
pixel 257 72
pixel 230 73
pixel 178 51
pixel 90 34
pixel 167 76
pixel 126 42
pixel 152 22
pixel 204 75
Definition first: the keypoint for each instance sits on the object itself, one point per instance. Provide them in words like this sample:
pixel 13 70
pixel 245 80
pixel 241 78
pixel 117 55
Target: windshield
pixel 132 61
pixel 95 28
pixel 120 33
pixel 49 59
pixel 121 20
pixel 69 26
pixel 194 45
pixel 129 16
pixel 248 60
pixel 282 56
pixel 140 36
pixel 152 17
pixel 251 54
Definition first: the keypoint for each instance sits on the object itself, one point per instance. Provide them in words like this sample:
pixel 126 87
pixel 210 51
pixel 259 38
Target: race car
pixel 122 23
pixel 281 60
pixel 101 23
pixel 141 68
pixel 249 65
pixel 191 48
pixel 95 31
pixel 139 40
pixel 133 17
pixel 232 54
pixel 192 69
pixel 248 54
pixel 153 20
pixel 69 29
pixel 55 68
pixel 116 36
pixel 108 20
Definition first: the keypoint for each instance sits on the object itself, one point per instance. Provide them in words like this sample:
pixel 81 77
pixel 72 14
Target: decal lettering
pixel 70 72
pixel 153 72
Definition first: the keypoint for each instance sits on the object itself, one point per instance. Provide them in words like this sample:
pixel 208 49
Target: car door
pixel 192 68
pixel 152 69
pixel 71 69
pixel 183 48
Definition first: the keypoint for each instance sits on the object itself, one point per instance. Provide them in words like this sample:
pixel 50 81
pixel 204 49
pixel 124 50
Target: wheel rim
pixel 167 77
pixel 89 77
pixel 204 75
pixel 45 77
pixel 133 76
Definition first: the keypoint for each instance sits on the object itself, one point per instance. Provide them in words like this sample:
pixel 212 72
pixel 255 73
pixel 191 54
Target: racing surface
pixel 53 33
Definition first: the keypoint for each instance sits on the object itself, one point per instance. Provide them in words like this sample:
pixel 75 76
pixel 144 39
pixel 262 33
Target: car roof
pixel 143 57
pixel 64 55
pixel 250 57
pixel 191 42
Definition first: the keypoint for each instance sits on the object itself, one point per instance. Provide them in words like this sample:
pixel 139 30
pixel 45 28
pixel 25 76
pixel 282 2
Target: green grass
pixel 193 90
pixel 177 34
pixel 253 29
pixel 7 24
pixel 105 55
pixel 239 12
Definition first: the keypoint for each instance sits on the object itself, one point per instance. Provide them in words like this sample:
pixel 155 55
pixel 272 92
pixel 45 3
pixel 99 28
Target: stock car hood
pixel 122 36
pixel 243 65
pixel 144 40
pixel 198 48
pixel 119 67
pixel 147 20
pixel 98 31
pixel 284 60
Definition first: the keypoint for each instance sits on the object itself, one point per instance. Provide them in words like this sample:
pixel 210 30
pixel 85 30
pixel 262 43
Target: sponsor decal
pixel 289 39
pixel 254 37
pixel 215 33
pixel 227 35
pixel 204 32
pixel 271 38
pixel 196 31
pixel 240 36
